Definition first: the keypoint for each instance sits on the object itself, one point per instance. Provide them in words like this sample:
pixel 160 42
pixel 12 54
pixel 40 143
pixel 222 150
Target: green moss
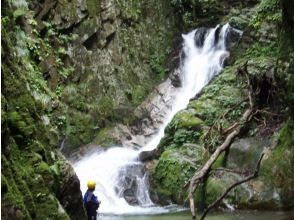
pixel 187 119
pixel 171 173
pixel 138 95
pixel 93 7
pixel 219 162
pixel 215 188
pixel 105 137
pixel 79 129
pixel 12 195
pixel 277 169
pixel 56 172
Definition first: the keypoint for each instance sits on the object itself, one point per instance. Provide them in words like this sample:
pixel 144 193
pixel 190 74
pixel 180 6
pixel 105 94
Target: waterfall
pixel 117 172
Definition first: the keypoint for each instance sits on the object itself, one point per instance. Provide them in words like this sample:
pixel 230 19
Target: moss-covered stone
pixel 277 168
pixel 93 7
pixel 187 119
pixel 172 171
pixel 105 138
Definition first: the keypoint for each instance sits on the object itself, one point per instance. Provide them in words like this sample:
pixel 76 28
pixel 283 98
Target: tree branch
pixel 199 175
pixel 252 176
pixel 242 172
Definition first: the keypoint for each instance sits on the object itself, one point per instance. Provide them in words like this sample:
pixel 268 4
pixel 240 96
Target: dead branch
pixel 252 176
pixel 268 112
pixel 230 128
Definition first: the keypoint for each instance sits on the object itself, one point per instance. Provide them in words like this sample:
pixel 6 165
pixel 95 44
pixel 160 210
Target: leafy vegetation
pixel 267 11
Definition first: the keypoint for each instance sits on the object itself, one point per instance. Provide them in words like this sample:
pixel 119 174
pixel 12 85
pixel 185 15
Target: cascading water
pixel 118 173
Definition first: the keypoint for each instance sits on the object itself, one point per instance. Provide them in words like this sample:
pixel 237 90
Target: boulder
pixel 175 78
pixel 70 195
pixel 145 156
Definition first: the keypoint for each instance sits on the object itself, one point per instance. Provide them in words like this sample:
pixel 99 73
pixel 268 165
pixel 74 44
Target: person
pixel 91 202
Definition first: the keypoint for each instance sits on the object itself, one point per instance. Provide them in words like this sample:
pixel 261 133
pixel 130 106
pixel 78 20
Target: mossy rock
pixel 138 94
pixel 216 186
pixel 277 169
pixel 186 119
pixel 105 138
pixel 94 7
pixel 171 172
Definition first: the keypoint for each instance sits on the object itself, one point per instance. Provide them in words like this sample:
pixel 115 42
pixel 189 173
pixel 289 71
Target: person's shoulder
pixel 86 193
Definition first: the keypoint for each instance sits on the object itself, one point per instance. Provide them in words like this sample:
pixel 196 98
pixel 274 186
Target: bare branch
pixel 230 170
pixel 199 175
pixel 252 176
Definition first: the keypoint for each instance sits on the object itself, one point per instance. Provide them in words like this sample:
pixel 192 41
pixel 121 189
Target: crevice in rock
pixel 70 29
pixel 91 42
pixel 109 39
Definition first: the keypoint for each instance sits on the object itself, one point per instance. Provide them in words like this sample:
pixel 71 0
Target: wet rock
pixel 245 152
pixel 130 194
pixel 145 156
pixel 70 195
pixel 233 36
pixel 175 78
pixel 131 178
pixel 200 35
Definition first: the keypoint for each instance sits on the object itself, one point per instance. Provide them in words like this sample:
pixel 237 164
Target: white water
pixel 109 168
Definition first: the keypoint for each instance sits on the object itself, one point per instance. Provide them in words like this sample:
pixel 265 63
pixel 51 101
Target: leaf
pixel 19 12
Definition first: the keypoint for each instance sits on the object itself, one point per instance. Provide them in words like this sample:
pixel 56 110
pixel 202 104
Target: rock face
pixel 111 57
pixel 68 190
pixel 70 69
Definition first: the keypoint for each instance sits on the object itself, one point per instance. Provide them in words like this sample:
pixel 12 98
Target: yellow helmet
pixel 91 184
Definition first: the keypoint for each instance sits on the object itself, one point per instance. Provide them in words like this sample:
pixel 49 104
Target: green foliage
pixel 193 12
pixel 106 106
pixel 131 10
pixel 182 136
pixel 138 95
pixel 263 50
pixel 56 172
pixel 157 62
pixel 267 11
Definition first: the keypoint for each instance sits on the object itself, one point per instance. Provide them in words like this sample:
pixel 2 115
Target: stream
pixel 236 215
